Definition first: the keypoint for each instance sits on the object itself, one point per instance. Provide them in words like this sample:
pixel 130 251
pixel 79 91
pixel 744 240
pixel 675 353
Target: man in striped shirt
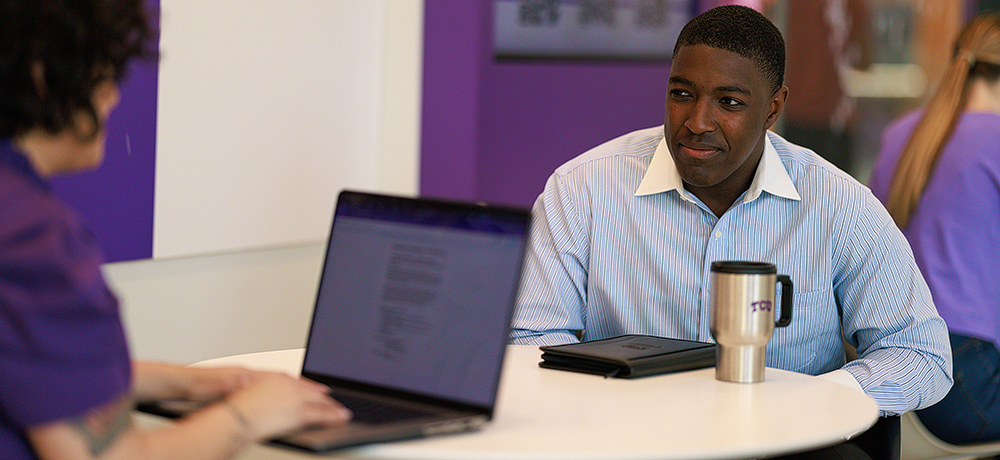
pixel 624 235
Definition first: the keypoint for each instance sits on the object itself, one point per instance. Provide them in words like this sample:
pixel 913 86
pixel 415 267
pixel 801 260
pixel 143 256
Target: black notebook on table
pixel 629 356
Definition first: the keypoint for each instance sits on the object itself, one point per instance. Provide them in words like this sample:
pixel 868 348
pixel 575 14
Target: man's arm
pixel 904 356
pixel 552 295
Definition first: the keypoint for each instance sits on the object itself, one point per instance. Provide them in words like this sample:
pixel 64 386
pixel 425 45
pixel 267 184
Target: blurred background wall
pixel 441 114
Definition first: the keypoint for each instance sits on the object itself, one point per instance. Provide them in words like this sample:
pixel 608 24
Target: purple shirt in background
pixel 955 230
pixel 63 350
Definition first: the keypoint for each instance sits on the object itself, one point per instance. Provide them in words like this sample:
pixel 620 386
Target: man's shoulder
pixel 634 145
pixel 805 166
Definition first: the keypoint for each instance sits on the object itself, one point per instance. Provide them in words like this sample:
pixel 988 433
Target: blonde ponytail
pixel 978 42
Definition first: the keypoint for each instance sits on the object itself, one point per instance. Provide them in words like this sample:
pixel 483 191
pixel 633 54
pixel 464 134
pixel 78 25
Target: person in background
pixel 938 172
pixel 67 383
pixel 831 39
pixel 623 236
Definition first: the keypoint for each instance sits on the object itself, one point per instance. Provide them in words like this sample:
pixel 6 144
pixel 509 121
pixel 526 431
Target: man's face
pixel 719 106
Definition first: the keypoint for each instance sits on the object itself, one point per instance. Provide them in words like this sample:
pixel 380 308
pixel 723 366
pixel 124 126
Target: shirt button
pixel 718 234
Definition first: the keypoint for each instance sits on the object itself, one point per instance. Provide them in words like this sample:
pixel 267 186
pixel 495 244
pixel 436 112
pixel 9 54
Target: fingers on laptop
pixel 275 404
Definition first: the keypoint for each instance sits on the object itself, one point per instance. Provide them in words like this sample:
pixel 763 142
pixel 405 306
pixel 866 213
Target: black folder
pixel 629 356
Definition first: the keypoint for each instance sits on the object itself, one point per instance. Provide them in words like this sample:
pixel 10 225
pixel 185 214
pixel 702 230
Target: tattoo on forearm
pixel 103 426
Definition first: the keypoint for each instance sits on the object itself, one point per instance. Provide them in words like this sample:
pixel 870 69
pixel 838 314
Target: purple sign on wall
pixel 589 29
pixel 116 200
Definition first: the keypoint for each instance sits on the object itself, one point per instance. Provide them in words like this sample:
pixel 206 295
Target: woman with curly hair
pixel 67 383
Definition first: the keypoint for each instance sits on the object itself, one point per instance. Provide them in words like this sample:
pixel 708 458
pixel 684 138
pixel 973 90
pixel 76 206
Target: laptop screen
pixel 417 295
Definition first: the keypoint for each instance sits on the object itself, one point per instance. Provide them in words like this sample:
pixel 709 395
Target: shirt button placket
pixel 714 250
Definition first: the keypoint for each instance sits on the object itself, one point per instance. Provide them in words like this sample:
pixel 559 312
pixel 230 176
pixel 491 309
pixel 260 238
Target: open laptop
pixel 412 316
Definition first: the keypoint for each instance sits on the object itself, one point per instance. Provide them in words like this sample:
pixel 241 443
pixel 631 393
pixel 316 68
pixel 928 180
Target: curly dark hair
pixel 54 53
pixel 743 31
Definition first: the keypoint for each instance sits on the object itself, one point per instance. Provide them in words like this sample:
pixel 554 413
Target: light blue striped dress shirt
pixel 619 247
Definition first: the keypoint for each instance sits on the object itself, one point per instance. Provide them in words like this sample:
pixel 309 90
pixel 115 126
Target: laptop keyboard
pixel 367 410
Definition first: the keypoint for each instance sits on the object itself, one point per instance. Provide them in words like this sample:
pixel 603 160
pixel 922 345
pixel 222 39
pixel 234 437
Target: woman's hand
pixel 265 404
pixel 274 403
pixel 160 381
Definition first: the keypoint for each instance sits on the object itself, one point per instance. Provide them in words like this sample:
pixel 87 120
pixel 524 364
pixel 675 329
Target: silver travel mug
pixel 743 304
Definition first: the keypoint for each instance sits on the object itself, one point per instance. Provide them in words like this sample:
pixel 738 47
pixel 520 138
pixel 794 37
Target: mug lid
pixel 744 267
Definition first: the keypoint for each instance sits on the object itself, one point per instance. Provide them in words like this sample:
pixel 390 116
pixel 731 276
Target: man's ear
pixel 777 105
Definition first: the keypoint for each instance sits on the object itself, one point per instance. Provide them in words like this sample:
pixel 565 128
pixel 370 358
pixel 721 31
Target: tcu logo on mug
pixel 762 305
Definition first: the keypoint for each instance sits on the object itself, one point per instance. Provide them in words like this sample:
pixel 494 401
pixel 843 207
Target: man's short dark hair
pixel 72 45
pixel 743 31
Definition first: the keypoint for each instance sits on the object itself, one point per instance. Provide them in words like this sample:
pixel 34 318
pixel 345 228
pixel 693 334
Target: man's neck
pixel 717 201
pixel 720 198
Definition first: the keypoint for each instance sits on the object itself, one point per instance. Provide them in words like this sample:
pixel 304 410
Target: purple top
pixel 955 230
pixel 62 346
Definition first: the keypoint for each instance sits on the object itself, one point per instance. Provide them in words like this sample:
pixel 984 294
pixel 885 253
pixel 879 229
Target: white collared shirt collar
pixel 771 177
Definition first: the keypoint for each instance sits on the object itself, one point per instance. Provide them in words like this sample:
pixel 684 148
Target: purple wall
pixel 116 200
pixel 495 130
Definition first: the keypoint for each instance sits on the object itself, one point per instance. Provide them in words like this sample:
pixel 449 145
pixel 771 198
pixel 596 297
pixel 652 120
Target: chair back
pixel 916 443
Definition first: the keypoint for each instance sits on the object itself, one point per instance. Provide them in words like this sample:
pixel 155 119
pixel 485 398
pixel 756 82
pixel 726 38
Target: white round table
pixel 549 414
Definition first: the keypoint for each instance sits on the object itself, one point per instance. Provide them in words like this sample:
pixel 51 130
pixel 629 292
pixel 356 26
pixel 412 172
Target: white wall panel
pixel 267 109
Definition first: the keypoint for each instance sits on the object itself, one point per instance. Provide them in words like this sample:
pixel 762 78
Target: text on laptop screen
pixel 416 301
